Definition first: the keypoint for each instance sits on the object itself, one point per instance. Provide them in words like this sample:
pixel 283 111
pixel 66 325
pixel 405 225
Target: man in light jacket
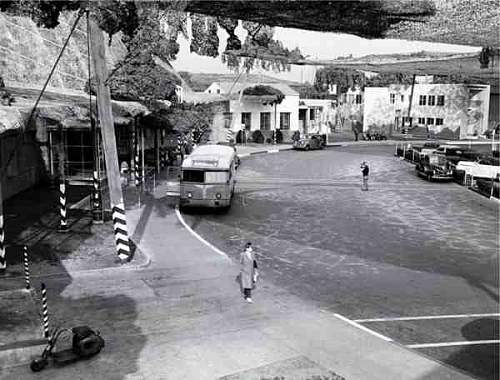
pixel 248 271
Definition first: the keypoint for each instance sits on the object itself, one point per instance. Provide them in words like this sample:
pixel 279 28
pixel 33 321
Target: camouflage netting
pixel 464 22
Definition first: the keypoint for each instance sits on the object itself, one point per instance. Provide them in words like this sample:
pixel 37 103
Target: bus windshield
pixel 201 176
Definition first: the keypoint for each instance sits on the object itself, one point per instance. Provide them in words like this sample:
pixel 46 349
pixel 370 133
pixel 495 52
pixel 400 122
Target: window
pixel 407 120
pixel 440 100
pixel 216 177
pixel 432 100
pixel 246 120
pixel 193 176
pixel 265 121
pixel 358 99
pixel 430 121
pixel 392 98
pixel 421 100
pixel 402 98
pixel 312 114
pixel 439 121
pixel 218 90
pixel 421 120
pixel 284 120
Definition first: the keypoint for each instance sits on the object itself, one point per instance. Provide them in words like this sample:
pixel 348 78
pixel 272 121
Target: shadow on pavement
pixel 71 301
pixel 481 360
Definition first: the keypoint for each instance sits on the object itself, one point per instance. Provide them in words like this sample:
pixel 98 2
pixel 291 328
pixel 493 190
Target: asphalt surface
pixel 405 248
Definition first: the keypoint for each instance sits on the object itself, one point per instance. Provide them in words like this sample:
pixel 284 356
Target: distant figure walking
pixel 365 170
pixel 248 272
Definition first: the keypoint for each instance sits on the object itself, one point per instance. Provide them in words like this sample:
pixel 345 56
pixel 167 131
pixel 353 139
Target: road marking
pixel 449 344
pixel 353 323
pixel 192 232
pixel 424 317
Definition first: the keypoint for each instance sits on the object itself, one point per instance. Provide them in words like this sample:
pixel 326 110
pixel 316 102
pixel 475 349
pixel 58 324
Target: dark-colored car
pixel 434 167
pixel 309 142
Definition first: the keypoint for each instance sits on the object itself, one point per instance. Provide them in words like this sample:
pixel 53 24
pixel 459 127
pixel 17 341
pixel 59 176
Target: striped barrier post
pixel 45 313
pixel 137 175
pixel 3 260
pixel 26 269
pixel 229 135
pixel 63 227
pixel 121 233
pixel 97 216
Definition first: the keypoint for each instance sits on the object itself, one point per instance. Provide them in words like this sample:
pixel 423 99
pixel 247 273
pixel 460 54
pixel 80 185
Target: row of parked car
pixel 468 167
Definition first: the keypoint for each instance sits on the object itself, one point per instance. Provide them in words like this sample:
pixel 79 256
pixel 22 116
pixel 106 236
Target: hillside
pixel 28 52
pixel 200 81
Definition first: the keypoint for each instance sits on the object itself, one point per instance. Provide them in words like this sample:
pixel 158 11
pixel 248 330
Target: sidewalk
pixel 183 317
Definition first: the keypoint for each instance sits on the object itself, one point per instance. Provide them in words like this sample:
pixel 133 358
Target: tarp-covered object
pixel 69 109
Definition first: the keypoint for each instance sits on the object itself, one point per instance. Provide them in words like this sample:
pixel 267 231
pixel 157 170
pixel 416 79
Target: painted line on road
pixel 366 329
pixel 426 317
pixel 197 236
pixel 449 344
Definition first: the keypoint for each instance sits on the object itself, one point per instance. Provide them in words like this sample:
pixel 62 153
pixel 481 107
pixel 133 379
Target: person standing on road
pixel 365 170
pixel 248 271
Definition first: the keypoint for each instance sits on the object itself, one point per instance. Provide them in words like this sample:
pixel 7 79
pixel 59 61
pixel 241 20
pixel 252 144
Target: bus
pixel 208 177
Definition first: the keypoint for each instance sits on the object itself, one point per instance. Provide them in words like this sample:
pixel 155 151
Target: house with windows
pixel 441 110
pixel 250 113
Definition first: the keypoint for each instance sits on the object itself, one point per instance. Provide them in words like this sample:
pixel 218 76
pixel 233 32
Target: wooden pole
pixel 3 260
pixel 109 142
pixel 411 99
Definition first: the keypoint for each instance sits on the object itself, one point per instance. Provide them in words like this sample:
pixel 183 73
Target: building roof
pixel 64 107
pixel 235 88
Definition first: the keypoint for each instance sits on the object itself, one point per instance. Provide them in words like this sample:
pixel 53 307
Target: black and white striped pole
pixel 97 214
pixel 121 233
pixel 137 171
pixel 63 227
pixel 26 268
pixel 3 261
pixel 45 313
pixel 229 135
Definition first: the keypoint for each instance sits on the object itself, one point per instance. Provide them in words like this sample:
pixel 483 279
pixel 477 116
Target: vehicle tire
pixel 429 177
pixel 307 147
pixel 38 364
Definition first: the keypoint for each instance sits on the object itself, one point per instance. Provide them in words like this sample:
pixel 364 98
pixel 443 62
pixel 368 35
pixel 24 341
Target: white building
pixel 444 110
pixel 255 112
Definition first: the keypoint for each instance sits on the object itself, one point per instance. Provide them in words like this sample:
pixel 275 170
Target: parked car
pixel 309 142
pixel 486 167
pixel 434 167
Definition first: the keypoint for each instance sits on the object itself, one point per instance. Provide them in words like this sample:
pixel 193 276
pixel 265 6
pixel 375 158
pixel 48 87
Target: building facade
pixel 443 110
pixel 249 113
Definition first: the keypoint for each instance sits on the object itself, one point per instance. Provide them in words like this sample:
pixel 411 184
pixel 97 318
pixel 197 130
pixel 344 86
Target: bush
pixel 257 137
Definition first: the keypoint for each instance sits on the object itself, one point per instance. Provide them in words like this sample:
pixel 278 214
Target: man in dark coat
pixel 365 170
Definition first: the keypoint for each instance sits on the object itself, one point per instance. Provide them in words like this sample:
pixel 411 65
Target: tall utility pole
pixel 109 142
pixel 411 100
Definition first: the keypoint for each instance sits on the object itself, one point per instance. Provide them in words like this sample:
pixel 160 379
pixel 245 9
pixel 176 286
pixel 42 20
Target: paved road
pixel 406 248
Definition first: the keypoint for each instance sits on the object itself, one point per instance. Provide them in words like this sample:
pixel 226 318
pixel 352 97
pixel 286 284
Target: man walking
pixel 248 272
pixel 365 170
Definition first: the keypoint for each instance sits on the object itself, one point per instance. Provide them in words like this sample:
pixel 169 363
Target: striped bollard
pixel 63 227
pixel 3 260
pixel 229 135
pixel 138 179
pixel 96 199
pixel 26 268
pixel 121 233
pixel 45 313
